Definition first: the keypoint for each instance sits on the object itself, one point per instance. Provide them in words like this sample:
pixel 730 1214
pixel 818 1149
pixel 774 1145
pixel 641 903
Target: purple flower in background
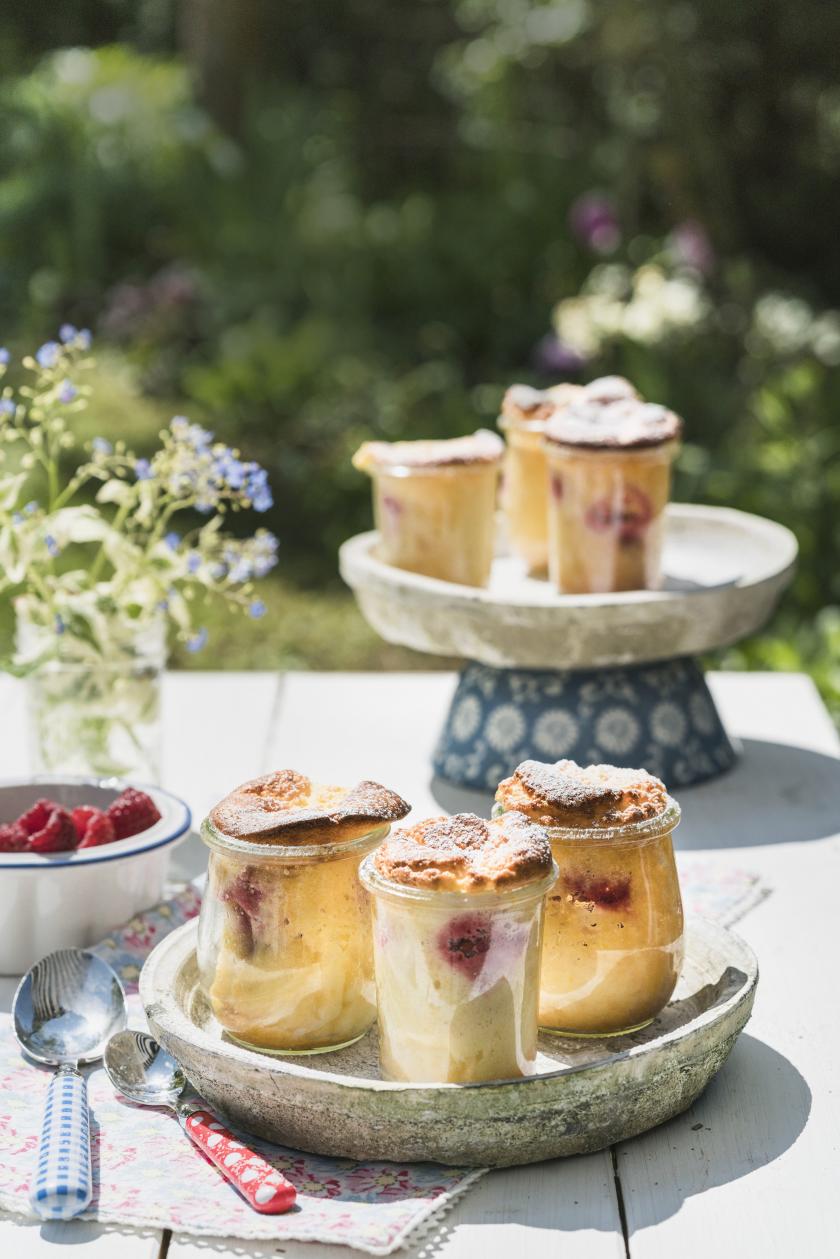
pixel 52 546
pixel 594 221
pixel 4 356
pixel 59 624
pixel 193 562
pixel 197 641
pixel 7 406
pixel 257 609
pixel 143 470
pixel 173 540
pixel 689 243
pixel 30 508
pixel 553 358
pixel 84 338
pixel 47 355
pixel 102 446
pixel 67 332
pixel 67 392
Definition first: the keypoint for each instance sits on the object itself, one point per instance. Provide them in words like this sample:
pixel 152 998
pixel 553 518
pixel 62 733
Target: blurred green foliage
pixel 371 235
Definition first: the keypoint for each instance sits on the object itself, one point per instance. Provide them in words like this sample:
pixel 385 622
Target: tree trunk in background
pixel 227 44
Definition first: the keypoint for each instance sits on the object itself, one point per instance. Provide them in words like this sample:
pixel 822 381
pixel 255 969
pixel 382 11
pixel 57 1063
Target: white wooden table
pixel 752 1169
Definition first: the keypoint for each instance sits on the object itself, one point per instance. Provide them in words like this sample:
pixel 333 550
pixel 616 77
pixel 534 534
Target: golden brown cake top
pixel 525 407
pixel 567 794
pixel 608 413
pixel 465 854
pixel 287 807
pixel 478 448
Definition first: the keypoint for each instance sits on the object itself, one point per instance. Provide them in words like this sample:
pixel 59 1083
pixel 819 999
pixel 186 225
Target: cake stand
pixel 596 678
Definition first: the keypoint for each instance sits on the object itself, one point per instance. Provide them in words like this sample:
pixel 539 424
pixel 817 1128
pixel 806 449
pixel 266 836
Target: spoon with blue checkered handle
pixel 66 1009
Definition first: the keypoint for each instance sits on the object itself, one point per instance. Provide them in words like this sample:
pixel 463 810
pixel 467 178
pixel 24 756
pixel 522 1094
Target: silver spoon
pixel 65 1009
pixel 146 1075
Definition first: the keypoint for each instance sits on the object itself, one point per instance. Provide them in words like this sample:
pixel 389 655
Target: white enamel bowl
pixel 73 899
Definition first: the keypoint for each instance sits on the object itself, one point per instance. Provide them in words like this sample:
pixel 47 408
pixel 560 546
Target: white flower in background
pixel 466 718
pixel 783 321
pixel 668 724
pixel 646 306
pixel 617 731
pixel 505 728
pixel 555 733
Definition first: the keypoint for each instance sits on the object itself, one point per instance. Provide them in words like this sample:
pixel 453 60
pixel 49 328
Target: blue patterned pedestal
pixel 659 716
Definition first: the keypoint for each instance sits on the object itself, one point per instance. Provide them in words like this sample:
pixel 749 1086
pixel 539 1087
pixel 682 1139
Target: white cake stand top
pixel 724 573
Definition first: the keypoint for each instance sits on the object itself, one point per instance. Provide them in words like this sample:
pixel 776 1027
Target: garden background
pixel 304 224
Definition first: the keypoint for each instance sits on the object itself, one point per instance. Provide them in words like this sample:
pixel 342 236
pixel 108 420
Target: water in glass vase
pixel 99 715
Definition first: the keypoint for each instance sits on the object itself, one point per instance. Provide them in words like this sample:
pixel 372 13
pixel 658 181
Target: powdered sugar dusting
pixel 466 853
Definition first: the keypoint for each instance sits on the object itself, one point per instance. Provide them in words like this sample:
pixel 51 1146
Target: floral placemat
pixel 147 1174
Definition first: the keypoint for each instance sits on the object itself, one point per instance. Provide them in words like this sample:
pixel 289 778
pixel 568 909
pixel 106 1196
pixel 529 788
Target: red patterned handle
pixel 261 1185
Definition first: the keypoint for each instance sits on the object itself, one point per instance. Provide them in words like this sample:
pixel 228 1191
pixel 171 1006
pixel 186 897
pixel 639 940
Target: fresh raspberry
pixel 57 835
pixel 36 818
pixel 99 829
pixel 464 942
pixel 81 817
pixel 132 812
pixel 13 838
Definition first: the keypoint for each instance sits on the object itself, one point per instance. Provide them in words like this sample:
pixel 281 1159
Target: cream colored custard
pixel 458 906
pixel 434 504
pixel 613 939
pixel 525 483
pixel 284 951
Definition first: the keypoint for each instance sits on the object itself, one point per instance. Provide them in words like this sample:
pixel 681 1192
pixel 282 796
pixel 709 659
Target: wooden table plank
pixel 752 1167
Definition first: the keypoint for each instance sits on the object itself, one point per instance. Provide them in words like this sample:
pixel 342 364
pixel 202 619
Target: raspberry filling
pixel 464 941
pixel 556 486
pixel 609 893
pixel 243 896
pixel 628 518
pixel 393 508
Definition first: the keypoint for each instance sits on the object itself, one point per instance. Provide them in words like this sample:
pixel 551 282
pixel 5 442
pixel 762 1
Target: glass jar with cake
pixel 284 936
pixel 434 504
pixel 609 457
pixel 524 498
pixel 458 908
pixel 613 941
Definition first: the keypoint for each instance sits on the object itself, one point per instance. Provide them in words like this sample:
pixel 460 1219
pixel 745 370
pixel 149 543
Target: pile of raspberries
pixel 49 827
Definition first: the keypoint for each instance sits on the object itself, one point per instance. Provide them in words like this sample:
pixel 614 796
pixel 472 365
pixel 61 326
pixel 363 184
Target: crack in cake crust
pixel 289 807
pixel 464 853
pixel 567 794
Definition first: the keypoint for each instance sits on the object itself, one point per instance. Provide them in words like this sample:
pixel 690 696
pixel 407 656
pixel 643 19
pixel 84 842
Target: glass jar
pixel 438 519
pixel 95 713
pixel 525 494
pixel 606 516
pixel 613 941
pixel 457 979
pixel 284 942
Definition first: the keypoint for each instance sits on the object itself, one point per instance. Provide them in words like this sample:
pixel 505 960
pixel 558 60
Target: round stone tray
pixel 586 1094
pixel 724 571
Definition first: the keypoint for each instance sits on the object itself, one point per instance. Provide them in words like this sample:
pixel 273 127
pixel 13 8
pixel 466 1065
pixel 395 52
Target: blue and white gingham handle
pixel 63 1184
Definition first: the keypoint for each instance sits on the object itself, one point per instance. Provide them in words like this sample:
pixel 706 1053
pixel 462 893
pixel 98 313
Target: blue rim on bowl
pixel 174 822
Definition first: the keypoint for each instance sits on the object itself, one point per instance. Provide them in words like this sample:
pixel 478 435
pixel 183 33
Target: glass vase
pixel 98 716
